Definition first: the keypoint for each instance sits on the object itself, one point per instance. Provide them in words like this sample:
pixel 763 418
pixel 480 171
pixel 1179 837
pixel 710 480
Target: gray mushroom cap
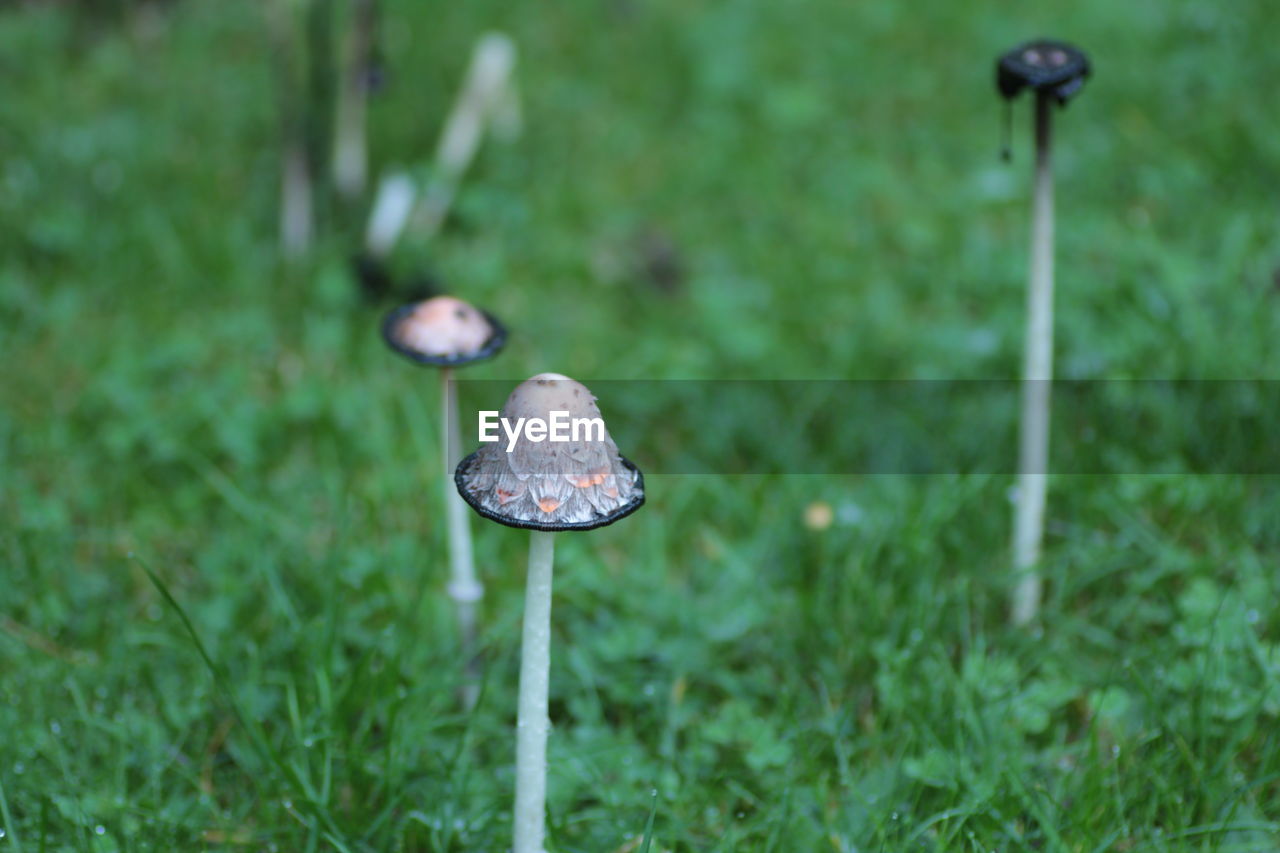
pixel 577 484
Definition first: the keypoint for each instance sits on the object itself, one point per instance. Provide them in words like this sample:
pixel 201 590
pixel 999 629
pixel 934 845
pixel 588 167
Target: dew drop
pixel 100 830
pixel 55 727
pixel 1 832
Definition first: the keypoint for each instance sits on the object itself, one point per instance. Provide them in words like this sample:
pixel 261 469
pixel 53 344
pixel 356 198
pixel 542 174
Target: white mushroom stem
pixel 1033 450
pixel 532 724
pixel 350 154
pixel 464 588
pixel 296 218
pixel 391 209
pixel 295 201
pixel 487 94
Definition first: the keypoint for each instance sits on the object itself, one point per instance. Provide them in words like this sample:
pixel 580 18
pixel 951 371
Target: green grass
pixel 176 402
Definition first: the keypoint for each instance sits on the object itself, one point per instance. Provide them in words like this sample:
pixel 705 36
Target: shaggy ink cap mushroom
pixel 1052 67
pixel 443 331
pixel 551 485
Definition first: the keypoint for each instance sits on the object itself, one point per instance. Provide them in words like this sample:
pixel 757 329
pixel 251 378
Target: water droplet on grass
pixel 55 727
pixel 1 832
pixel 100 830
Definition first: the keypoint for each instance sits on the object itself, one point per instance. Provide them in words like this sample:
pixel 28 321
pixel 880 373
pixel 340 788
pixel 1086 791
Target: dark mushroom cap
pixel 1044 65
pixel 551 485
pixel 443 331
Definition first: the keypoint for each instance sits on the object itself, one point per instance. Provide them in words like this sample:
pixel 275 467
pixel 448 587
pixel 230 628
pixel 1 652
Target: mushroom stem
pixel 391 208
pixel 295 202
pixel 350 157
pixel 464 588
pixel 1033 450
pixel 296 216
pixel 487 89
pixel 532 723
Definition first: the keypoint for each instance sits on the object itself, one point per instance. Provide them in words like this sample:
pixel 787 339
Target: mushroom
pixel 1054 71
pixel 360 74
pixel 487 100
pixel 546 475
pixel 446 332
pixel 297 215
pixel 392 206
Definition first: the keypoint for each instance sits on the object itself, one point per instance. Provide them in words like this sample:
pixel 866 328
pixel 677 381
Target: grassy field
pixel 820 182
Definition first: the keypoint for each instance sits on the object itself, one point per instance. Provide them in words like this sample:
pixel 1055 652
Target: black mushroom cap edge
pixel 459 477
pixel 1014 73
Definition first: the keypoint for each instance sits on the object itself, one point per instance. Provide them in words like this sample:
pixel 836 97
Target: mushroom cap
pixel 551 485
pixel 1043 65
pixel 443 331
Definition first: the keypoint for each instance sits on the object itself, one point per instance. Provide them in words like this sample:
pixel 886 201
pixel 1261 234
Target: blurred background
pixel 732 190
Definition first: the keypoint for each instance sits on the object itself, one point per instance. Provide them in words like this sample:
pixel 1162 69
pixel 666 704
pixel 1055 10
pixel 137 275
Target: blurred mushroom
pixel 1054 71
pixel 488 100
pixel 350 145
pixel 531 479
pixel 297 222
pixel 446 332
pixel 387 218
pixel 443 328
